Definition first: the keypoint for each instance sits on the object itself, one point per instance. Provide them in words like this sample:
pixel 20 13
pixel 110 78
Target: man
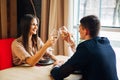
pixel 94 57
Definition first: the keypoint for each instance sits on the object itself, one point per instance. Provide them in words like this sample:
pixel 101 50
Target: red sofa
pixel 5 53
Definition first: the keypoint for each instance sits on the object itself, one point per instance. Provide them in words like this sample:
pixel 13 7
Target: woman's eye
pixel 34 24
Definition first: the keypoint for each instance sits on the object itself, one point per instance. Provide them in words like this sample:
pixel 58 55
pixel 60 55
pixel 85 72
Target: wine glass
pixel 67 36
pixel 63 31
pixel 55 34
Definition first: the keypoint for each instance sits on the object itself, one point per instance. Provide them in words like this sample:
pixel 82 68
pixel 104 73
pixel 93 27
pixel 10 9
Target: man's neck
pixel 87 37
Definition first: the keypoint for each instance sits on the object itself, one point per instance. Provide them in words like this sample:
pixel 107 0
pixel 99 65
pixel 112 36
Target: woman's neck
pixel 30 40
pixel 30 37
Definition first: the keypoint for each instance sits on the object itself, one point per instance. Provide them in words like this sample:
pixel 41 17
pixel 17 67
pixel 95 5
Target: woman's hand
pixel 51 41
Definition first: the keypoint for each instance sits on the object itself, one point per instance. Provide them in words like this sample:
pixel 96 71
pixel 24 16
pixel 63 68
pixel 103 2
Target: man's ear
pixel 87 31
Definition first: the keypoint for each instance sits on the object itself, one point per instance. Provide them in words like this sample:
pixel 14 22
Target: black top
pixel 95 58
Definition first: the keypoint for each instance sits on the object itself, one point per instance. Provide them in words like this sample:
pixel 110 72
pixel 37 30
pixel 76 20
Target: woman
pixel 29 48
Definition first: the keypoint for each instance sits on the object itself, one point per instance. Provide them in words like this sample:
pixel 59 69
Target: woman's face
pixel 33 26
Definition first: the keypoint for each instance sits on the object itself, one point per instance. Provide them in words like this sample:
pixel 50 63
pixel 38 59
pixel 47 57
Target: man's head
pixel 89 27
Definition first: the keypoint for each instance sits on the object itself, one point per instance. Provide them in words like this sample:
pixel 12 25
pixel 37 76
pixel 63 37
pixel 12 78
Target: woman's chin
pixel 34 32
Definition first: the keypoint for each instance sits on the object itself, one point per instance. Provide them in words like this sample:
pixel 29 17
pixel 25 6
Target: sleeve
pixel 77 62
pixel 48 51
pixel 19 51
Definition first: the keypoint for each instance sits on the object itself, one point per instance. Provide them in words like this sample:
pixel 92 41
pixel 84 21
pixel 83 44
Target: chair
pixel 5 53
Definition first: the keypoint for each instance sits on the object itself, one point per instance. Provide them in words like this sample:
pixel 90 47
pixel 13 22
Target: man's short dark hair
pixel 91 23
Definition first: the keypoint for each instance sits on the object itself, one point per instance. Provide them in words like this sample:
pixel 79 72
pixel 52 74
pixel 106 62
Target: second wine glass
pixel 55 34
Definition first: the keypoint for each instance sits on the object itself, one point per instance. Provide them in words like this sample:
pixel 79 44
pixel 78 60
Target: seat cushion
pixel 5 53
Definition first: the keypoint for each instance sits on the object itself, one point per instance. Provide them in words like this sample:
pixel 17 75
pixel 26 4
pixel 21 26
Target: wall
pixel 26 7
pixel 8 18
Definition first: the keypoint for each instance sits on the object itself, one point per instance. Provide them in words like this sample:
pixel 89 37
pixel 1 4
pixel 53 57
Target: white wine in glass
pixel 63 31
pixel 54 34
pixel 66 35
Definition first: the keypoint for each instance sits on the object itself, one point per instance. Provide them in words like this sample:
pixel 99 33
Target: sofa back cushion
pixel 5 53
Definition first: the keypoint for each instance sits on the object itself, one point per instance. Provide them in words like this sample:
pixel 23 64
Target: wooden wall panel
pixel 8 18
pixel 0 19
pixel 13 18
pixel 3 18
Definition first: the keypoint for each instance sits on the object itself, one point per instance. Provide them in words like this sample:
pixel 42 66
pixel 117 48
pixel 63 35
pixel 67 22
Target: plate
pixel 46 63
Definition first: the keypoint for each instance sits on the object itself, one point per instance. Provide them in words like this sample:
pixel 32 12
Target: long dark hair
pixel 25 25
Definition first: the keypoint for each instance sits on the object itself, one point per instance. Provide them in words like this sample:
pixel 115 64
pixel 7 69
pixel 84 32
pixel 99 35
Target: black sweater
pixel 95 59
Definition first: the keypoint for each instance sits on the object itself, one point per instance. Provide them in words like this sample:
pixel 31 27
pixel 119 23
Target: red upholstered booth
pixel 5 53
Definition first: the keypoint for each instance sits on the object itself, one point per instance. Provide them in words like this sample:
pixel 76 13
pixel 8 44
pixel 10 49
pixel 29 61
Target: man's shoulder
pixel 94 42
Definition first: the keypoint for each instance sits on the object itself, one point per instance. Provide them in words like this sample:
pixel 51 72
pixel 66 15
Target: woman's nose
pixel 36 26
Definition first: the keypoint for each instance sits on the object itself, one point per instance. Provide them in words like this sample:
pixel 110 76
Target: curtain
pixel 8 19
pixel 54 15
pixel 45 7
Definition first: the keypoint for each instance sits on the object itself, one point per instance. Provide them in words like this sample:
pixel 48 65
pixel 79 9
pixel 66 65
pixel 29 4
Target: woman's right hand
pixel 51 41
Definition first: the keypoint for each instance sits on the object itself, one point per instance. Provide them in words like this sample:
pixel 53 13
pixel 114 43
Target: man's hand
pixel 66 35
pixel 58 63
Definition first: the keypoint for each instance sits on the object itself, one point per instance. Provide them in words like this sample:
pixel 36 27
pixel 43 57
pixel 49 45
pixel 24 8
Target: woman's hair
pixel 25 25
pixel 91 23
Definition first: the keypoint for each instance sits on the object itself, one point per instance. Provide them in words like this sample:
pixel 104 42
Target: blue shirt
pixel 95 58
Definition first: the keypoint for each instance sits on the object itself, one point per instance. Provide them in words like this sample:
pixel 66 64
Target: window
pixel 107 11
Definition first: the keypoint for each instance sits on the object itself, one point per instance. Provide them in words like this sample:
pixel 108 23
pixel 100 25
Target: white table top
pixel 32 73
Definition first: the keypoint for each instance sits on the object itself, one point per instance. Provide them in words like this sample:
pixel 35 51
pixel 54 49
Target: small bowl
pixel 44 60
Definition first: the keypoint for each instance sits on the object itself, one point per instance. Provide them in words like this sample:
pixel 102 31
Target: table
pixel 32 73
